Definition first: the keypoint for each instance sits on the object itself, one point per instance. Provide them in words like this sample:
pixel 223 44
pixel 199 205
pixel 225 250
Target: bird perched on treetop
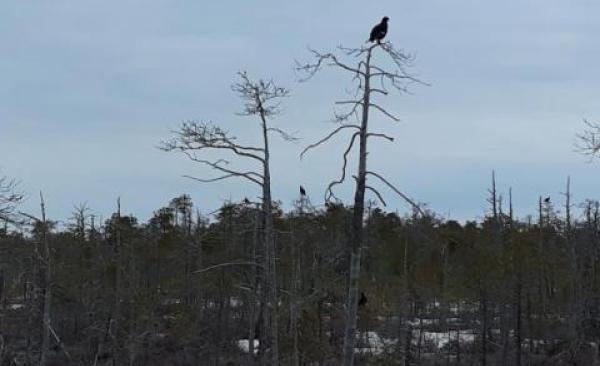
pixel 379 31
pixel 302 191
pixel 547 199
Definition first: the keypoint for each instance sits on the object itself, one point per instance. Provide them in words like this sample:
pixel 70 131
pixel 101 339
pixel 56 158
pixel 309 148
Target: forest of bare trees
pixel 182 289
pixel 323 282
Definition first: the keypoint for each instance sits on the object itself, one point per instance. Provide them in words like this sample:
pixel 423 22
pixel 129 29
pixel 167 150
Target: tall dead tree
pixel 47 283
pixel 42 228
pixel 261 99
pixel 365 73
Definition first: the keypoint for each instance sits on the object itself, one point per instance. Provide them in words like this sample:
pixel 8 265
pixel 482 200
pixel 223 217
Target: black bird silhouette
pixel 302 191
pixel 547 199
pixel 363 300
pixel 379 31
pixel 246 201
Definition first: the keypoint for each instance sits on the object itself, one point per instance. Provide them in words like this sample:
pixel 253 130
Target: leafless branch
pixel 377 194
pixel 210 180
pixel 259 96
pixel 398 56
pixel 342 117
pixel 252 176
pixel 310 69
pixel 59 341
pixel 358 51
pixel 588 142
pixel 405 197
pixel 284 135
pixel 10 197
pixel 30 217
pixel 382 110
pixel 195 136
pixel 380 91
pixel 323 140
pixel 221 265
pixel 329 191
pixel 353 102
pixel 382 135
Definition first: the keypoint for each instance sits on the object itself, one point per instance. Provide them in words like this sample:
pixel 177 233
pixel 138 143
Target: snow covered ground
pixel 371 342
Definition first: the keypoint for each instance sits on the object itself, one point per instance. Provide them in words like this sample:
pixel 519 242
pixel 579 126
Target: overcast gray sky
pixel 89 88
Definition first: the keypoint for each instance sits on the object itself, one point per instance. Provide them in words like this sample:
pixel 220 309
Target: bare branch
pixel 399 57
pixel 382 110
pixel 259 96
pixel 252 176
pixel 342 117
pixel 10 197
pixel 323 140
pixel 194 136
pixel 358 51
pixel 226 176
pixel 329 192
pixel 377 194
pixel 31 217
pixel 588 142
pixel 310 69
pixel 405 197
pixel 354 102
pixel 380 91
pixel 284 135
pixel 382 135
pixel 216 266
pixel 59 341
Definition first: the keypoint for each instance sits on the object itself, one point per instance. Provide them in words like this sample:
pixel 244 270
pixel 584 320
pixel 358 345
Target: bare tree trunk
pixel 252 321
pixel 575 289
pixel 295 296
pixel 270 249
pixel 518 325
pixel 46 265
pixel 356 238
pixel 484 324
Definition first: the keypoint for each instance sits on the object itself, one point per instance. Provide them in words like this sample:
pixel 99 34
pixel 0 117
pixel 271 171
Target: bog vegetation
pixel 323 283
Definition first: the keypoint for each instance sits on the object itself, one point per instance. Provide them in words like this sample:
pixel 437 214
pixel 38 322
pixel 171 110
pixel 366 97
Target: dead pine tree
pixel 261 99
pixel 42 228
pixel 371 81
pixel 47 283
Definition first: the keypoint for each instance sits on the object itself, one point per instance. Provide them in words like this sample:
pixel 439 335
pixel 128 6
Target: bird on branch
pixel 379 31
pixel 302 191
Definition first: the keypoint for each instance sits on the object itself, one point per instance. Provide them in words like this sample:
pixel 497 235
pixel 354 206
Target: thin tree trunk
pixel 294 302
pixel 518 325
pixel 270 249
pixel 46 265
pixel 357 231
pixel 484 325
pixel 252 321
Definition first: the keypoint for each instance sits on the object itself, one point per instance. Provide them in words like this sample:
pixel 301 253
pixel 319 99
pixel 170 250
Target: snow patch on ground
pixel 372 343
pixel 244 345
pixel 442 339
